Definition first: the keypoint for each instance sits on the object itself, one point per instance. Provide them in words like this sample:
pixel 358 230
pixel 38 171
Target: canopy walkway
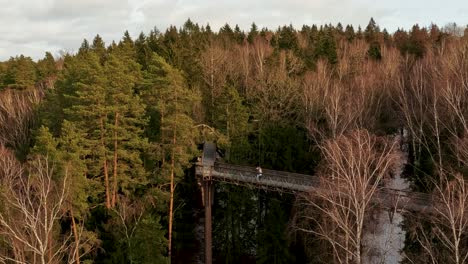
pixel 209 170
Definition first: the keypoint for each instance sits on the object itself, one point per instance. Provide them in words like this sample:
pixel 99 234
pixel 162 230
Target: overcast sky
pixel 32 27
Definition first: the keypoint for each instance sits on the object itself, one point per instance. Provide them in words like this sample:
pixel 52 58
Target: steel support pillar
pixel 208 201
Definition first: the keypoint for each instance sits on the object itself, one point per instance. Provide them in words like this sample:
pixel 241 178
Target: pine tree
pixel 126 113
pixel 166 88
pixel 252 33
pixel 359 34
pixel 154 41
pixel 143 51
pixel 126 48
pixel 339 28
pixel 233 231
pixel 349 33
pixel 386 36
pixel 239 35
pixel 231 115
pixel 20 72
pixel 374 51
pixel 170 45
pixel 417 41
pixel 326 46
pixel 273 245
pixel 3 68
pixel 84 48
pixel 46 68
pixel 371 31
pixel 226 33
pixel 45 144
pixel 99 47
pixel 400 38
pixel 287 38
pixel 85 89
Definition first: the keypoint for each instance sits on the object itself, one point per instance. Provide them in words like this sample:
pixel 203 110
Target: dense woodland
pixel 97 147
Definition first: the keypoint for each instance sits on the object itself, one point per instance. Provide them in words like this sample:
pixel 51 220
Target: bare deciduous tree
pixel 16 116
pixel 434 104
pixel 353 170
pixel 33 202
pixel 261 50
pixel 446 226
pixel 215 68
pixel 451 219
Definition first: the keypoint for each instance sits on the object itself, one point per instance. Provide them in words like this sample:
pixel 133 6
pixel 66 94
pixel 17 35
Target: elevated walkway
pixel 209 170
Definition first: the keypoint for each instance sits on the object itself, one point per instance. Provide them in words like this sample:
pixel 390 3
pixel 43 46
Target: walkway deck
pixel 295 182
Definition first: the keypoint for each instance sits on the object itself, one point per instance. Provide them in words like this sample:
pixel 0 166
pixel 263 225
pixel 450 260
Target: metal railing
pixel 296 182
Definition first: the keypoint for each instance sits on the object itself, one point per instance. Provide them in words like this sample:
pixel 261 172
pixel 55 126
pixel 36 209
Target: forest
pixel 97 147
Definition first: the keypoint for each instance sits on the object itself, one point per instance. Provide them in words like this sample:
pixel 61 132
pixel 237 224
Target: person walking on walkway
pixel 259 172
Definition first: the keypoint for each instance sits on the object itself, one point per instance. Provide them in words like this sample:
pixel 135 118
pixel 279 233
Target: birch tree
pixel 352 173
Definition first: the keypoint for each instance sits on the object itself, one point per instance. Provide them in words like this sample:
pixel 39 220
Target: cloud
pixel 32 27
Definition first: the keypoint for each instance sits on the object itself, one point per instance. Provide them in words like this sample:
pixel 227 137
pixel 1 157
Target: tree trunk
pixel 106 170
pixel 171 205
pixel 171 202
pixel 212 87
pixel 114 189
pixel 49 250
pixel 77 239
pixel 358 246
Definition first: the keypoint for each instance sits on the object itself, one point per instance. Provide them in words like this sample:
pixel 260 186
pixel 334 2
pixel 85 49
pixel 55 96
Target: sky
pixel 32 27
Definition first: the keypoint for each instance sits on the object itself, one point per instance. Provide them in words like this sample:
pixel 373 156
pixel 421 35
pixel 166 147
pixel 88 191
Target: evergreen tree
pixel 85 88
pixel 235 224
pixel 252 33
pixel 313 32
pixel 148 244
pixel 273 246
pixel 359 34
pixel 374 51
pixel 20 72
pixel 126 114
pixel 166 89
pixel 371 31
pixel 46 68
pixel 400 38
pixel 386 36
pixel 287 38
pixel 232 116
pixel 126 48
pixel 349 33
pixel 143 51
pixel 170 42
pixel 226 32
pixel 154 41
pixel 3 68
pixel 84 48
pixel 99 47
pixel 371 34
pixel 339 28
pixel 326 46
pixel 305 31
pixel 189 27
pixel 417 41
pixel 207 33
pixel 239 35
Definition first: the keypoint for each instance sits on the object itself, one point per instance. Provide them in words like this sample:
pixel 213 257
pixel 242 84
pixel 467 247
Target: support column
pixel 208 199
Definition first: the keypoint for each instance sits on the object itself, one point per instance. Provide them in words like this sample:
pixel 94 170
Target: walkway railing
pixel 295 182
